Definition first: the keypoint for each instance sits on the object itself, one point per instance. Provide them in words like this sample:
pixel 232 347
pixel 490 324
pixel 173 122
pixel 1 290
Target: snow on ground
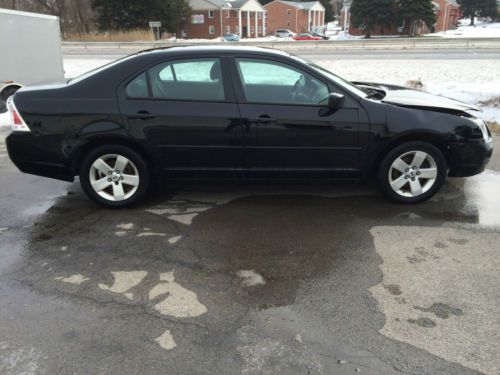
pixel 4 119
pixel 471 81
pixel 481 29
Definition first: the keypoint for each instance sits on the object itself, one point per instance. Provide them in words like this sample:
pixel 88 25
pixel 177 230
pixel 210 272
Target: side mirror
pixel 335 101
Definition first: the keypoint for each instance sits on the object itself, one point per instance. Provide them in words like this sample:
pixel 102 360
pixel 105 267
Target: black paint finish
pixel 213 138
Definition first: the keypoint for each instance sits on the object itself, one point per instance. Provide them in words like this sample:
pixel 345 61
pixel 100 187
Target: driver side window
pixel 266 81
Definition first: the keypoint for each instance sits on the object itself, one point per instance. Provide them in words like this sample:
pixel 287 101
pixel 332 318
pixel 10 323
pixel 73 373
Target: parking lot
pixel 255 278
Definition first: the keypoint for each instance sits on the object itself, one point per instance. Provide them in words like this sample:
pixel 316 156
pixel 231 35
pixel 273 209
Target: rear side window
pixel 199 79
pixel 138 88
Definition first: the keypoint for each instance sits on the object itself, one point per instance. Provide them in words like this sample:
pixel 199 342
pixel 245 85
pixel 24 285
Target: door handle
pixel 142 115
pixel 263 119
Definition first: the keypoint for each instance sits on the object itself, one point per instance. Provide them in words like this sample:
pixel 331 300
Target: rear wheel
pixel 413 172
pixel 114 176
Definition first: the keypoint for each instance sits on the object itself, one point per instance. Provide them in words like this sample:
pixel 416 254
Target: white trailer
pixel 30 51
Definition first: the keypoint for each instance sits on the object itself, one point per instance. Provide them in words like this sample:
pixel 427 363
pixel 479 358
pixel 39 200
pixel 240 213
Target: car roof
pixel 187 50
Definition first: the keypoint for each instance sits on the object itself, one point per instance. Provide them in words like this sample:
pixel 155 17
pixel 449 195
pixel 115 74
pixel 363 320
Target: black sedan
pixel 209 112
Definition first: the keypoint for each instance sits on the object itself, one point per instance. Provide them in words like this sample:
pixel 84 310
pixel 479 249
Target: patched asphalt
pixel 233 278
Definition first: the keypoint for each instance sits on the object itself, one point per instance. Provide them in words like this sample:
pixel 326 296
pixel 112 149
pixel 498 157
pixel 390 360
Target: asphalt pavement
pixel 247 278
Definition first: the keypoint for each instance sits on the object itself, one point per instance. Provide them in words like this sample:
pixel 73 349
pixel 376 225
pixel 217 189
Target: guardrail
pixel 385 43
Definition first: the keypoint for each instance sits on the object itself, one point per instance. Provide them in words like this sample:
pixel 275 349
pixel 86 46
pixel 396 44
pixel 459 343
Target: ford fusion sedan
pixel 217 112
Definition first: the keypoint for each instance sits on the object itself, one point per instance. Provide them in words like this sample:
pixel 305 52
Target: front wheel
pixel 114 176
pixel 412 172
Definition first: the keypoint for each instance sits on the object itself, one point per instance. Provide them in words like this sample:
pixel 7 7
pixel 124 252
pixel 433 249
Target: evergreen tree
pixel 329 14
pixel 415 11
pixel 136 14
pixel 478 8
pixel 368 13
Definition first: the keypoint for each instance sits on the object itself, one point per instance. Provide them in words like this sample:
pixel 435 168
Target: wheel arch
pixel 11 85
pixel 92 143
pixel 7 88
pixel 435 139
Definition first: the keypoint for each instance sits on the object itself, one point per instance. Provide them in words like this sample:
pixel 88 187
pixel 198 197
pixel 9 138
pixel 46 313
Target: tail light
pixel 17 122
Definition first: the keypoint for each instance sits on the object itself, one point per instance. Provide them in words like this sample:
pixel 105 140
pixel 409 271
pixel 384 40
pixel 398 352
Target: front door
pixel 181 108
pixel 286 126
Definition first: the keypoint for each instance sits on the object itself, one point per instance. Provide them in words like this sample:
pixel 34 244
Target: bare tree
pixel 76 16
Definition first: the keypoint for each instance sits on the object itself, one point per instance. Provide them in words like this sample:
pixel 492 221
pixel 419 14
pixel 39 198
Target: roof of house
pixel 249 5
pixel 228 4
pixel 301 5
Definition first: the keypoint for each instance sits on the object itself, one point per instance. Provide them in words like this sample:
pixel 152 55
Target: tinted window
pixel 199 79
pixel 188 80
pixel 138 88
pixel 273 82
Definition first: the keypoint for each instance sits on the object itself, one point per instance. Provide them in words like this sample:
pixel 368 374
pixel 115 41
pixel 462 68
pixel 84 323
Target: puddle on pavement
pixel 277 234
pixel 482 197
pixel 249 249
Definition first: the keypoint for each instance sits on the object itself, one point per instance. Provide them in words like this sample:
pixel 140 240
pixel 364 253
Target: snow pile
pixel 271 38
pixel 479 30
pixel 471 81
pixel 4 119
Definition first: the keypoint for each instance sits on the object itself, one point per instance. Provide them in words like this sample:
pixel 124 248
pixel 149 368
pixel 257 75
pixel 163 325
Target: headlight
pixel 484 129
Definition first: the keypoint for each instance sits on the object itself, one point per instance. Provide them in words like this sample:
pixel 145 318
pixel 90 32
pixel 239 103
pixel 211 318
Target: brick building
pixel 447 15
pixel 298 17
pixel 214 18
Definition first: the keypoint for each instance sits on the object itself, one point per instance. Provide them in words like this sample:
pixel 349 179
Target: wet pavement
pixel 235 278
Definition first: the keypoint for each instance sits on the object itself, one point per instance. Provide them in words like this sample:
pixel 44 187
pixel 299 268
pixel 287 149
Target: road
pixel 232 278
pixel 451 54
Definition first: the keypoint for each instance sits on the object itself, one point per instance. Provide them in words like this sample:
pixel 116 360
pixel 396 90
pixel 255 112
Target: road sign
pixel 154 24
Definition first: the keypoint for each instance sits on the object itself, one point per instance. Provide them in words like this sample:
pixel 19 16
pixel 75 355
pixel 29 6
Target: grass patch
pixel 137 35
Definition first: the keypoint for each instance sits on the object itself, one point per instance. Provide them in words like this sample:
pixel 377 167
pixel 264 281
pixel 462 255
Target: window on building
pixel 243 14
pixel 252 30
pixel 228 14
pixel 228 29
pixel 259 15
pixel 196 79
pixel 259 29
pixel 289 12
pixel 210 14
pixel 266 81
pixel 211 29
pixel 236 30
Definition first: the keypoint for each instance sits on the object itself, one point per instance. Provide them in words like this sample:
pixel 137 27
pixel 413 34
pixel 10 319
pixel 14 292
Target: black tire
pixel 141 168
pixel 383 177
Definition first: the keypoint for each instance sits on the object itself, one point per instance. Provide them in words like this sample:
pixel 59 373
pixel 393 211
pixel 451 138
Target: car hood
pixel 405 97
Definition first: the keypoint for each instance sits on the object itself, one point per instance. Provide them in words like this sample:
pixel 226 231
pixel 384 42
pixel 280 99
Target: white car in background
pixel 284 33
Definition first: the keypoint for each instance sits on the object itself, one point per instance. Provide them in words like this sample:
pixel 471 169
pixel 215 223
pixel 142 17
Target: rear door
pixel 287 128
pixel 185 109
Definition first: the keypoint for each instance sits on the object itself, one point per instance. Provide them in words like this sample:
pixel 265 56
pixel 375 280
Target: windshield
pixel 339 81
pixel 98 70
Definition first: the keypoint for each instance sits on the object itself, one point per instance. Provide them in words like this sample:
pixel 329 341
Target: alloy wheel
pixel 413 173
pixel 114 177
